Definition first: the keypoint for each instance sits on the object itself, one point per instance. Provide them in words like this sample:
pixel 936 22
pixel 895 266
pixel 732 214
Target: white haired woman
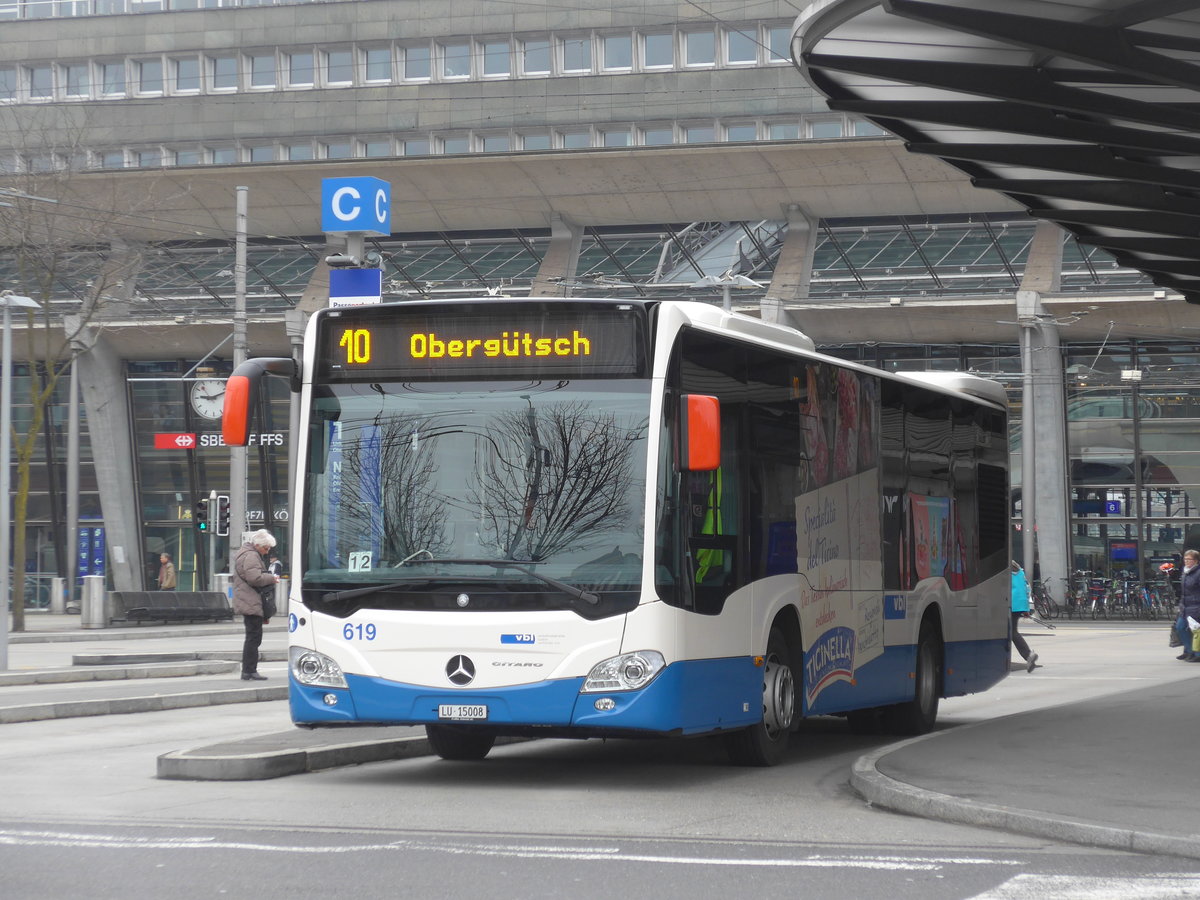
pixel 250 576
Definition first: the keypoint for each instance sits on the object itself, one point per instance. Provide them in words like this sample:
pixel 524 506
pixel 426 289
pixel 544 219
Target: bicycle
pixel 1043 603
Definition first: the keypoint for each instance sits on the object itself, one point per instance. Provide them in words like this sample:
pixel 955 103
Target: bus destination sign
pixel 485 340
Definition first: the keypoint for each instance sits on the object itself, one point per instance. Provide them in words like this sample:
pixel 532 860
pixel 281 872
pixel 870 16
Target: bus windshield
pixel 414 489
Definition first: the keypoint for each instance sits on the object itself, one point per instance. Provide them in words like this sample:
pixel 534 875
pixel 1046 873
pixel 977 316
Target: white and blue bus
pixel 612 518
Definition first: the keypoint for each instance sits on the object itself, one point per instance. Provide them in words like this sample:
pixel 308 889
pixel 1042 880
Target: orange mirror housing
pixel 699 433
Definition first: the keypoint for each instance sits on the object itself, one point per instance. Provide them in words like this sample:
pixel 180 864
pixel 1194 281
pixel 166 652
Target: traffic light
pixel 222 515
pixel 200 516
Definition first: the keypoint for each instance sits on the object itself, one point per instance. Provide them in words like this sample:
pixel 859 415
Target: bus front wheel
pixel 765 743
pixel 450 742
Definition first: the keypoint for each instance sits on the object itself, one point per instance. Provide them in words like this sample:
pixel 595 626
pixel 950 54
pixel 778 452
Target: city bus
pixel 631 518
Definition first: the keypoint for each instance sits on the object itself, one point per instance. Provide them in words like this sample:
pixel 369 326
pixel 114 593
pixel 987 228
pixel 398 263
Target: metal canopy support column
pixel 793 271
pixel 1044 446
pixel 557 270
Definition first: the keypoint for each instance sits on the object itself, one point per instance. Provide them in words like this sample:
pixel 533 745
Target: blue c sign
pixel 362 205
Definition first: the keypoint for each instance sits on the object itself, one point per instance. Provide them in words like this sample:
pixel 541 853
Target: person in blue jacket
pixel 1020 606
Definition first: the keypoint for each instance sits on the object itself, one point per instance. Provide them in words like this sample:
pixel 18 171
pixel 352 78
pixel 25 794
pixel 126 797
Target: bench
pixel 169 606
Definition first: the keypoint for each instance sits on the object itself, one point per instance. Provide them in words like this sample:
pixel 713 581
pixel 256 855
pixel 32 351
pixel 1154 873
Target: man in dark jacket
pixel 1189 603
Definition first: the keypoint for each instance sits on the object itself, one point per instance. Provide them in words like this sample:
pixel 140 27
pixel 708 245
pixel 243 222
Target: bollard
pixel 58 595
pixel 281 596
pixel 94 602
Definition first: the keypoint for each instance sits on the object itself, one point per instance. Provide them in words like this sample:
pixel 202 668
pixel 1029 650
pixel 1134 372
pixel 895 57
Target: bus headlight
pixel 311 667
pixel 626 672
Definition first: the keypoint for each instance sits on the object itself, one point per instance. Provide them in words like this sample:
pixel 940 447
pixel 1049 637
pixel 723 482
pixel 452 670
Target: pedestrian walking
pixel 1020 606
pixel 1189 604
pixel 166 572
pixel 250 576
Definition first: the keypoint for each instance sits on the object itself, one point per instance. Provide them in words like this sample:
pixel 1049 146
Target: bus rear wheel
pixel 765 743
pixel 918 715
pixel 450 742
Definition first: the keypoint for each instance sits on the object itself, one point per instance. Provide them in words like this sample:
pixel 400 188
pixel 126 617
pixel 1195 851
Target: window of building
pixel 658 51
pixel 77 80
pixel 616 52
pixel 824 129
pixel 113 159
pixel 186 75
pixel 535 142
pixel 149 159
pixel 416 147
pixel 416 63
pixel 699 48
pixel 576 54
pixel 189 157
pixel 300 151
pixel 654 135
pixel 377 148
pixel 783 131
pixel 301 68
pixel 863 128
pixel 455 60
pixel 339 67
pixel 741 131
pixel 496 59
pixel 149 76
pixel 112 79
pixel 575 140
pixel 456 144
pixel 741 46
pixel 223 73
pixel 224 156
pixel 779 39
pixel 535 57
pixel 337 150
pixel 495 143
pixel 699 134
pixel 41 82
pixel 262 70
pixel 377 64
pixel 619 138
pixel 262 153
pixel 8 83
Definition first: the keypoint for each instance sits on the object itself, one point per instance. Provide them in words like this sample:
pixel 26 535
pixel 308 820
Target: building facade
pixel 579 149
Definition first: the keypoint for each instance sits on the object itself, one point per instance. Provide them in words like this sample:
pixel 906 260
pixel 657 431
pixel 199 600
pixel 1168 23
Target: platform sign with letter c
pixel 361 205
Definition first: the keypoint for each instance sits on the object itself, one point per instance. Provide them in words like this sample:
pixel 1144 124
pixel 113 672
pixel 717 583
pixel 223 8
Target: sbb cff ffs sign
pixel 359 205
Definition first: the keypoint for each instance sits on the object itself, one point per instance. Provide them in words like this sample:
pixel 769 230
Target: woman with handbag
pixel 250 578
pixel 1189 604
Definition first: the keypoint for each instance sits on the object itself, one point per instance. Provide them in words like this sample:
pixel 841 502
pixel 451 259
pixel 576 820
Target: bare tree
pixel 560 481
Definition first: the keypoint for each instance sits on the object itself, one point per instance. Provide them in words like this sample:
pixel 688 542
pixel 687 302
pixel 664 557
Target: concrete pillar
pixel 557 270
pixel 1047 411
pixel 105 399
pixel 793 271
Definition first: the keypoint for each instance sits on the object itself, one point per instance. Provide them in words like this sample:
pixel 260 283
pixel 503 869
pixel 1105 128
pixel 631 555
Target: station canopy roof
pixel 1086 112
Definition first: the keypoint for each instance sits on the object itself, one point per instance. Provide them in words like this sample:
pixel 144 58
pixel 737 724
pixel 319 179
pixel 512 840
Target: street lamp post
pixel 7 300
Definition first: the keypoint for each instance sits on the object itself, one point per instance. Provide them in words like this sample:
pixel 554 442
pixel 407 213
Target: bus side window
pixel 712 516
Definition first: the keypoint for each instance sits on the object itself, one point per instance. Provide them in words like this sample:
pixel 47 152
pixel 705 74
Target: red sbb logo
pixel 178 441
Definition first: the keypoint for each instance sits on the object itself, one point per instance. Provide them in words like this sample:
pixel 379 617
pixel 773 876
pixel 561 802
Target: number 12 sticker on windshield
pixel 360 561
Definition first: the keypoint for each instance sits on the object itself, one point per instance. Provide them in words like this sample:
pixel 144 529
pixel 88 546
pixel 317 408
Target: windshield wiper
pixel 522 567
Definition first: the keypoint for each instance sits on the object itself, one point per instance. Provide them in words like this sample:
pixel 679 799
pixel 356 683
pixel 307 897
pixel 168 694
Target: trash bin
pixel 95 602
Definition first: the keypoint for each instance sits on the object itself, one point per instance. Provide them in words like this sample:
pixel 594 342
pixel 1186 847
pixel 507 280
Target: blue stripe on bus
pixel 690 697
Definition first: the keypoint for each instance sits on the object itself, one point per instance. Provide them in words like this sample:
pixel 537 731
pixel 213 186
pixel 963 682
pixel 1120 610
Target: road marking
pixel 517 851
pixel 1071 887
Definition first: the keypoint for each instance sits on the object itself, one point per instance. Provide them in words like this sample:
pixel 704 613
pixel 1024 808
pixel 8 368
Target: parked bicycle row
pixel 1088 595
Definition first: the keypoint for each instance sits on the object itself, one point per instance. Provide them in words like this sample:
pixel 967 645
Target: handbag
pixel 268 602
pixel 1175 641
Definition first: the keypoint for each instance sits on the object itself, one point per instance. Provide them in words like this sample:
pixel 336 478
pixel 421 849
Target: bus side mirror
pixel 241 395
pixel 699 433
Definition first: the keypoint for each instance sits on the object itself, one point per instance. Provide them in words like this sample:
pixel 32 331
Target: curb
pixel 118 673
pixel 119 706
pixel 886 792
pixel 206 765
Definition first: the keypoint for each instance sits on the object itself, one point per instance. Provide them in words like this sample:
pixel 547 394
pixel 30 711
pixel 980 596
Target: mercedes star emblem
pixel 460 670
